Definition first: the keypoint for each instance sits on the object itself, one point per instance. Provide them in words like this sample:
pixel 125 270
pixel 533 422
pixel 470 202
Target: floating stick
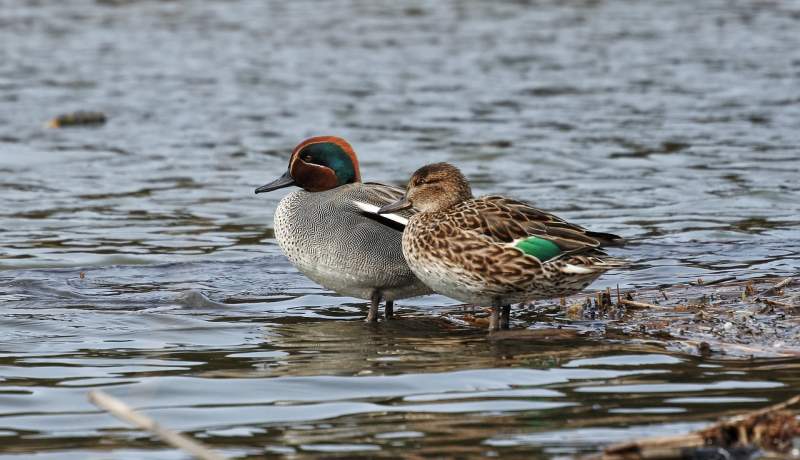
pixel 123 412
pixel 777 287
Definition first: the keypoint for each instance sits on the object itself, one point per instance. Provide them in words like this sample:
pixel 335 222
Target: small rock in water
pixel 80 118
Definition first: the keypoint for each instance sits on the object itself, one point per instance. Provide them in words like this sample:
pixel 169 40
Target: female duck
pixel 492 250
pixel 329 229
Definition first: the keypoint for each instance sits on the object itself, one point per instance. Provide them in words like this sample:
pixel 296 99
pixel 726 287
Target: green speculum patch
pixel 540 248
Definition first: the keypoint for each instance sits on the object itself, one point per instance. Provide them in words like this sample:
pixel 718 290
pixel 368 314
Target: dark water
pixel 672 123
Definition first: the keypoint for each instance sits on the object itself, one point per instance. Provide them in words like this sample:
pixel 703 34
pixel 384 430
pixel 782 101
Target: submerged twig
pixel 123 412
pixel 775 303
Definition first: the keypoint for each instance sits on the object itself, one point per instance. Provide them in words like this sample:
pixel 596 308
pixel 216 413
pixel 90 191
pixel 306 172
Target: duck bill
pixel 398 205
pixel 285 180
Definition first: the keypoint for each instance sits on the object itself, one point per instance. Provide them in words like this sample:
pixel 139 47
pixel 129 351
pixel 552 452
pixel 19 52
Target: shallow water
pixel 135 258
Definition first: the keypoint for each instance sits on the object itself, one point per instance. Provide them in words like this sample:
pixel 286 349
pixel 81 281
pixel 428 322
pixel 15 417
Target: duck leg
pixel 505 317
pixel 372 316
pixel 494 319
pixel 388 309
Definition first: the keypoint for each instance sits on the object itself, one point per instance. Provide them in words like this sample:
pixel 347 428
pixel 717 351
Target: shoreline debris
pixel 735 318
pixel 771 429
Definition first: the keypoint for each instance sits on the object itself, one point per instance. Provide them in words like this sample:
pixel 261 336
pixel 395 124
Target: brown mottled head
pixel 434 187
pixel 318 164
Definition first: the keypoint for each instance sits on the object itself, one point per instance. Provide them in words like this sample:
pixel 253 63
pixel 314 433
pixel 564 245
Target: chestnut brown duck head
pixel 318 164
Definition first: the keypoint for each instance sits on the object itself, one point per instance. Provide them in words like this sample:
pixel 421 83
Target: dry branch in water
pixel 777 287
pixel 123 412
pixel 635 304
pixel 772 429
pixel 775 303
pixel 701 282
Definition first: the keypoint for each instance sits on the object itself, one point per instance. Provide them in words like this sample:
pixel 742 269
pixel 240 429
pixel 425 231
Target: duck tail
pixel 592 264
pixel 607 239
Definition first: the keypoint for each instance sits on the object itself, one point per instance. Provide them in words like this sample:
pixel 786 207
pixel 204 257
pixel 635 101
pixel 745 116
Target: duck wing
pixel 504 220
pixel 374 196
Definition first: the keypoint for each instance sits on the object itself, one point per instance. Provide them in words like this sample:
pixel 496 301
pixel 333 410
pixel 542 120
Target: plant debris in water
pixel 729 317
pixel 80 118
pixel 768 432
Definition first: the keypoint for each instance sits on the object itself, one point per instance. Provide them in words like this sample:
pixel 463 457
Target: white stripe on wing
pixel 372 209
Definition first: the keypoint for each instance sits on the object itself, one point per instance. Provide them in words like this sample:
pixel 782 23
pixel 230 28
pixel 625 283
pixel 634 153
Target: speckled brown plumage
pixel 464 247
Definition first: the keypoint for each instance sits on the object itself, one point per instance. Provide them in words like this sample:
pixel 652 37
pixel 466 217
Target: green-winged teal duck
pixel 330 231
pixel 492 250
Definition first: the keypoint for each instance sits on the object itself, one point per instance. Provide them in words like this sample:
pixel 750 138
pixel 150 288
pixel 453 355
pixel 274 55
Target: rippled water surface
pixel 135 258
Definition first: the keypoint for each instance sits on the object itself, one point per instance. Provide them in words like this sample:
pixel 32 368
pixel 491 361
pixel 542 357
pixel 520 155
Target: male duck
pixel 493 250
pixel 330 231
